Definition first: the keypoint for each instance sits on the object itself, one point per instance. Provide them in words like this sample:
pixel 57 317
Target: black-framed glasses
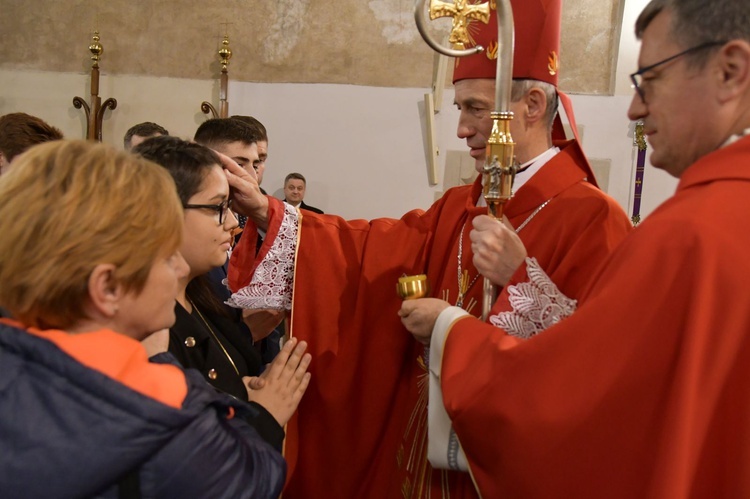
pixel 637 77
pixel 221 208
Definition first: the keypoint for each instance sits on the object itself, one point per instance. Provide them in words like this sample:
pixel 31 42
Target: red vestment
pixel 348 437
pixel 643 391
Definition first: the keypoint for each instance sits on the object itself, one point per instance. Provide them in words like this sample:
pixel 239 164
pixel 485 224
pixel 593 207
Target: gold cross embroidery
pixel 461 11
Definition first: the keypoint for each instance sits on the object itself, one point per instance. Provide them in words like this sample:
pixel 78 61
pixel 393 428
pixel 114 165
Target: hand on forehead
pixel 231 165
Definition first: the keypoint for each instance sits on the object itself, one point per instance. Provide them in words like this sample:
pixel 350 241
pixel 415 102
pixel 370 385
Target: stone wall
pixel 360 42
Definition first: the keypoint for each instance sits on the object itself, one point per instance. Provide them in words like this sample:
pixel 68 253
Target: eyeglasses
pixel 221 209
pixel 637 77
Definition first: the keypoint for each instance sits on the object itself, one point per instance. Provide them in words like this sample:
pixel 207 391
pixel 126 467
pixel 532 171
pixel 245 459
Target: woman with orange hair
pixel 89 266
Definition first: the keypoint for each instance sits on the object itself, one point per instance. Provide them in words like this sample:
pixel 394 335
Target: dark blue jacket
pixel 69 431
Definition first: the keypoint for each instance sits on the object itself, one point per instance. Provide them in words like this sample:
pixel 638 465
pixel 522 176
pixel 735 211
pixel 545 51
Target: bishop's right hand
pixel 245 192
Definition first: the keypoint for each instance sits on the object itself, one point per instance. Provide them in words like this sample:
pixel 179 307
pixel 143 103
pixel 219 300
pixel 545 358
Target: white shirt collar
pixel 533 166
pixel 735 138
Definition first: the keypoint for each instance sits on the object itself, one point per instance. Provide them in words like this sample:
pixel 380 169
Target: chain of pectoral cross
pixel 463 277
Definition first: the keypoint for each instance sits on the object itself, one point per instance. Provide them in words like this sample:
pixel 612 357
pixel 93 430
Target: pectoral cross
pixel 463 287
pixel 461 11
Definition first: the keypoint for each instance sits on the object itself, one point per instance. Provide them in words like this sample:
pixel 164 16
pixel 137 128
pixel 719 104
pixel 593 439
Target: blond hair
pixel 68 206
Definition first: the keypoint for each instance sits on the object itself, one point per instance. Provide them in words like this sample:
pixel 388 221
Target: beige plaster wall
pixel 361 42
pixel 361 147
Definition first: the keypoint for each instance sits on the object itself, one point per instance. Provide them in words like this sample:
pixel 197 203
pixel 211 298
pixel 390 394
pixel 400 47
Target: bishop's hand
pixel 419 316
pixel 497 249
pixel 245 191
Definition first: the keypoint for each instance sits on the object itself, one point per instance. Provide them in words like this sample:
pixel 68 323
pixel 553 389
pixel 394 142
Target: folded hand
pixel 283 382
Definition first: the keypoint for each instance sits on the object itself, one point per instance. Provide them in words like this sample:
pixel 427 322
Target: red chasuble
pixel 360 430
pixel 643 391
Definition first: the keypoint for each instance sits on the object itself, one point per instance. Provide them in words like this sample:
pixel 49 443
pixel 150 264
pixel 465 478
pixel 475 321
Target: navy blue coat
pixel 69 431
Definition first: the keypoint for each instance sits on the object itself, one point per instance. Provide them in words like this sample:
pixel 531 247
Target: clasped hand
pixel 279 389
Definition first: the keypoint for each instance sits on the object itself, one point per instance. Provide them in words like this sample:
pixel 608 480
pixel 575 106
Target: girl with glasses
pixel 208 335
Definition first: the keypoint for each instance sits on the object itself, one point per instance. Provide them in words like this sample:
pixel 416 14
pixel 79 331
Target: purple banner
pixel 640 166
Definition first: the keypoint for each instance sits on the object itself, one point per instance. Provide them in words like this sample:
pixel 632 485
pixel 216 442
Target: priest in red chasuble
pixel 643 390
pixel 361 430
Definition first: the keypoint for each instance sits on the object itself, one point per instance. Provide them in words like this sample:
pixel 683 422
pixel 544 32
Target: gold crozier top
pixel 461 11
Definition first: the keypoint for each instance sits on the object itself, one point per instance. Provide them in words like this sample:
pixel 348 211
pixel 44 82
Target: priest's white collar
pixel 735 138
pixel 532 166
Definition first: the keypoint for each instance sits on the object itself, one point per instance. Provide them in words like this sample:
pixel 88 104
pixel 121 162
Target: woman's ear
pixel 104 291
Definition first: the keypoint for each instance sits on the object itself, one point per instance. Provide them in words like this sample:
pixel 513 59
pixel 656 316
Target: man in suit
pixel 294 192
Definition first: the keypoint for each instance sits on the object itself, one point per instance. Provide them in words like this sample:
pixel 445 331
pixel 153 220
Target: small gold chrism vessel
pixel 411 287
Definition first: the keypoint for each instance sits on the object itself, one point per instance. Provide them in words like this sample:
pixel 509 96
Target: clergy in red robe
pixel 643 390
pixel 361 428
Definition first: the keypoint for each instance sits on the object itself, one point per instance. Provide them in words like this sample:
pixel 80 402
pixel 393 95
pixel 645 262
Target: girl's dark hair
pixel 189 164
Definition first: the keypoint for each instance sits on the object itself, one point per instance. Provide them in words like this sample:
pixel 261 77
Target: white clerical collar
pixel 735 138
pixel 529 169
pixel 532 166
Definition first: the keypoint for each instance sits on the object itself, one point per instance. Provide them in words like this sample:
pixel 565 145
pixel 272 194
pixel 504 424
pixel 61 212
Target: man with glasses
pixel 643 390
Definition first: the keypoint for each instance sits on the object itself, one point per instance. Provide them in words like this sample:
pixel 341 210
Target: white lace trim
pixel 537 304
pixel 271 285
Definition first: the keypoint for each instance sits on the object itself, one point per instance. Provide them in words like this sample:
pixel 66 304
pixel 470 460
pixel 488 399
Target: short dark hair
pixel 145 129
pixel 215 132
pixel 187 162
pixel 253 122
pixel 295 175
pixel 20 131
pixel 697 21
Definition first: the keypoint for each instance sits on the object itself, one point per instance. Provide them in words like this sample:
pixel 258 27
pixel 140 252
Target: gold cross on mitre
pixel 461 11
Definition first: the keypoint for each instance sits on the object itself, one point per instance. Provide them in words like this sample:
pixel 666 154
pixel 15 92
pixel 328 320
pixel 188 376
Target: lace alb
pixel 271 285
pixel 537 304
